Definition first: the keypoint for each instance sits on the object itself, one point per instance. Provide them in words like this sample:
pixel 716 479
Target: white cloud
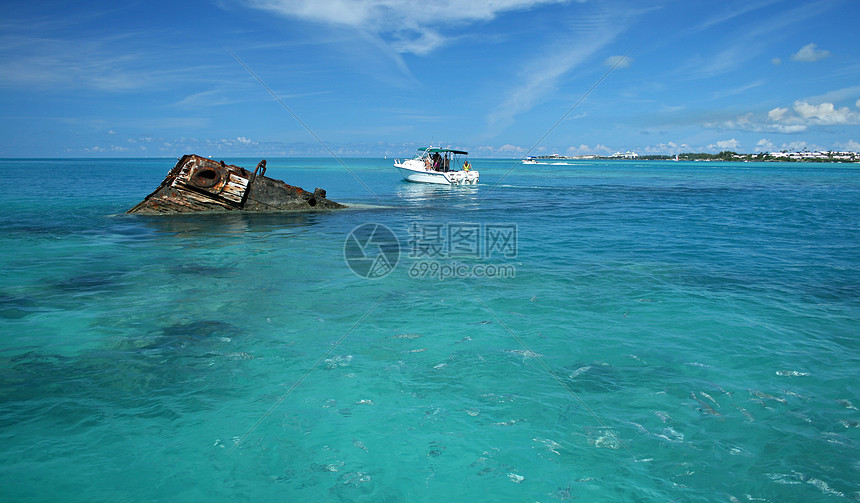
pixel 666 148
pixel 732 144
pixel 743 122
pixel 826 114
pixel 765 145
pixel 362 13
pixel 800 117
pixel 506 150
pixel 810 53
pixel 510 149
pixel 850 145
pixel 795 146
pixel 777 113
pixel 585 149
pixel 782 128
pixel 776 61
pixel 416 26
pixel 423 42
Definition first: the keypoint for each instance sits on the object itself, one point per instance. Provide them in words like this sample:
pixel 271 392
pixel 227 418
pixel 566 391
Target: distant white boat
pixel 551 160
pixel 442 166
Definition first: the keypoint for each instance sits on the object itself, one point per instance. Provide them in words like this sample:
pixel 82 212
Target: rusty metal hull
pixel 198 184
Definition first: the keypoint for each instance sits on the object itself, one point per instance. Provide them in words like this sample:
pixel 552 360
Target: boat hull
pixel 416 176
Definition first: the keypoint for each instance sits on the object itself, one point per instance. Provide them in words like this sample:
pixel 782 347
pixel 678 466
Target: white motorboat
pixel 438 165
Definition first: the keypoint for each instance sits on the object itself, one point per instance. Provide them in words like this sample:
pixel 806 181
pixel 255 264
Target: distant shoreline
pixel 821 157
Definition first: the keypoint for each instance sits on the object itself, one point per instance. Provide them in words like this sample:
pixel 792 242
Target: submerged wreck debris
pixel 198 184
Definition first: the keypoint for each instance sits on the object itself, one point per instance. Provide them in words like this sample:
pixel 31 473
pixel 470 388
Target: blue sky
pixel 382 77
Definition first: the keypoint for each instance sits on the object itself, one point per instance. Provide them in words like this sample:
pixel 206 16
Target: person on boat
pixel 447 162
pixel 437 161
pixel 467 166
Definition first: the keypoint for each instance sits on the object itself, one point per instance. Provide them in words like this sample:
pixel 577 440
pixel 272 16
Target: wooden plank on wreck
pixel 203 199
pixel 234 189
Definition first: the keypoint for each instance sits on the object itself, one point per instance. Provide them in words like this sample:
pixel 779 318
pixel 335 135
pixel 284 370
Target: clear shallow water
pixel 674 331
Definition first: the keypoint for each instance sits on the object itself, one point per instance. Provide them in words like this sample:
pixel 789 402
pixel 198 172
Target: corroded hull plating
pixel 198 184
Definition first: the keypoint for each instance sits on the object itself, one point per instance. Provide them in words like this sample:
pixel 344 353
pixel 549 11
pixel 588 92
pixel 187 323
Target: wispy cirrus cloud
pixel 750 43
pixel 541 80
pixel 541 76
pixel 40 61
pixel 843 94
pixel 729 12
pixel 407 26
pixel 619 62
pixel 738 90
pixel 112 63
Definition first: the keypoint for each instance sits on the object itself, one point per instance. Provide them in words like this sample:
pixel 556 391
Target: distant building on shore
pixel 805 156
pixel 821 155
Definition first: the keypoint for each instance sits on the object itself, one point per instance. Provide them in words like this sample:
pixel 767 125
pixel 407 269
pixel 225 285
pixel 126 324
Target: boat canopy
pixel 433 150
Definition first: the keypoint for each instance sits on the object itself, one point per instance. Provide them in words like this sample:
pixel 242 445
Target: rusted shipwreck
pixel 198 184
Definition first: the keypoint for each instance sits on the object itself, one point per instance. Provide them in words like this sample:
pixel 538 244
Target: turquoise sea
pixel 597 331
